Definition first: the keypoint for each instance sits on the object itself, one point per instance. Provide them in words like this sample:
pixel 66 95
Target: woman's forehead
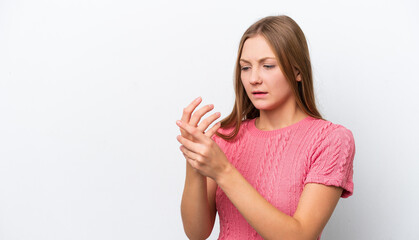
pixel 256 48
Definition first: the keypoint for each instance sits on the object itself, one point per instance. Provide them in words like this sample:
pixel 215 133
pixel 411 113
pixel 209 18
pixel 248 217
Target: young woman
pixel 274 168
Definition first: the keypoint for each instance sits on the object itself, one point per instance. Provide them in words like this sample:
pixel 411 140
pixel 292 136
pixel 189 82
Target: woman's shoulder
pixel 328 126
pixel 323 129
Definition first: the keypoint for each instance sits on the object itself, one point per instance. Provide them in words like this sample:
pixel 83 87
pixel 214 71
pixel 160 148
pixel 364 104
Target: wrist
pixel 224 174
pixel 192 172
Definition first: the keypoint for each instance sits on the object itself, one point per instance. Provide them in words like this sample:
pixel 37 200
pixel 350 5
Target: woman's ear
pixel 297 74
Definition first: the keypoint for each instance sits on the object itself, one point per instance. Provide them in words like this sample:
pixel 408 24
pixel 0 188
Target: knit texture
pixel 280 162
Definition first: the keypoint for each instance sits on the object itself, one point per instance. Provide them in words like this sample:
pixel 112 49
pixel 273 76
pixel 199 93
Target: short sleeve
pixel 332 161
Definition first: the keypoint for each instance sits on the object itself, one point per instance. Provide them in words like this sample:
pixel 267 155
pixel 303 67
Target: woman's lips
pixel 259 94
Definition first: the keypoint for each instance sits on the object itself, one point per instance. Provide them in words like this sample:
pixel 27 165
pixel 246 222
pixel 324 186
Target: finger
pixel 196 117
pixel 213 130
pixel 207 121
pixel 192 131
pixel 191 155
pixel 190 161
pixel 187 111
pixel 191 146
pixel 194 164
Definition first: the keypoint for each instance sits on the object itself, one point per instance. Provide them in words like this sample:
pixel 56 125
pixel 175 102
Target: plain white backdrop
pixel 90 91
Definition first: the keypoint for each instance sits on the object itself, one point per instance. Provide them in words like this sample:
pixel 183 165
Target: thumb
pixel 213 130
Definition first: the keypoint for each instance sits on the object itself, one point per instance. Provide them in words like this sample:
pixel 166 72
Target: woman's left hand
pixel 204 154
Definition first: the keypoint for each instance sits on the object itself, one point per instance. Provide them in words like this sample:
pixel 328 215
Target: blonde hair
pixel 290 47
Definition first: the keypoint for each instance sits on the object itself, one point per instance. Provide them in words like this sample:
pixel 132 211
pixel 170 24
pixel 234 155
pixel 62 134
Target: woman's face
pixel 260 72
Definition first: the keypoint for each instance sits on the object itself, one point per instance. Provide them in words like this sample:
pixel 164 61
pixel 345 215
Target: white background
pixel 90 92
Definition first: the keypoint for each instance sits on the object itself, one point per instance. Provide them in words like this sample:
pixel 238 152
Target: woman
pixel 274 168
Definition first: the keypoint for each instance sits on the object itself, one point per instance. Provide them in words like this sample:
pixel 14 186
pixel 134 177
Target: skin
pixel 278 109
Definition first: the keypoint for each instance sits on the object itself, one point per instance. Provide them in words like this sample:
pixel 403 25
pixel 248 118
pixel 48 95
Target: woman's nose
pixel 255 77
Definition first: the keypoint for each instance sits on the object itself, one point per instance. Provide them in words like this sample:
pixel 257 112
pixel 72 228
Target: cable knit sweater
pixel 280 162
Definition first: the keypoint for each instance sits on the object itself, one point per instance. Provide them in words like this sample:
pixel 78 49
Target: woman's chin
pixel 263 107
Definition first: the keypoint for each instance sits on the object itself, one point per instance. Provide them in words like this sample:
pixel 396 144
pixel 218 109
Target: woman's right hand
pixel 193 119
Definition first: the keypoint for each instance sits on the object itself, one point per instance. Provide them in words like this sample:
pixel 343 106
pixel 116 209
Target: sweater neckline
pixel 258 132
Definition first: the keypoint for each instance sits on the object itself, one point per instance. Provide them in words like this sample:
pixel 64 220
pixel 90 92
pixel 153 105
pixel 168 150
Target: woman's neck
pixel 276 119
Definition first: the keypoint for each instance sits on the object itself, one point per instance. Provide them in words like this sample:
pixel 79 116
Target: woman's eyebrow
pixel 260 60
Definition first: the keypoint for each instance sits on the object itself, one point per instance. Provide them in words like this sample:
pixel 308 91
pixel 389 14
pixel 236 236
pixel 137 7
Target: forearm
pixel 195 210
pixel 267 220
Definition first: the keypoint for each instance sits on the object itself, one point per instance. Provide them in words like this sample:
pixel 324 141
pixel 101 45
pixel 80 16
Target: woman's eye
pixel 269 66
pixel 245 68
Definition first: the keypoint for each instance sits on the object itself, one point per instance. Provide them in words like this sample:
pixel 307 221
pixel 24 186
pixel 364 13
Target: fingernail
pixel 197 98
pixel 178 122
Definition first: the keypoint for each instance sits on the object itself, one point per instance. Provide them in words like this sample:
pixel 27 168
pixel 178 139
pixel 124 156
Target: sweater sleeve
pixel 332 161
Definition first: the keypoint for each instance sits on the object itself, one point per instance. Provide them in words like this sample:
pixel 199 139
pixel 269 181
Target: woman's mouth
pixel 259 94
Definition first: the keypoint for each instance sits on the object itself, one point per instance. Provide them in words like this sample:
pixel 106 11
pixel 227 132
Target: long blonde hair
pixel 290 47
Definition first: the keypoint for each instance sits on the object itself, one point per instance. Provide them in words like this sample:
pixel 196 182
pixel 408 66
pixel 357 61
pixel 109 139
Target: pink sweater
pixel 280 162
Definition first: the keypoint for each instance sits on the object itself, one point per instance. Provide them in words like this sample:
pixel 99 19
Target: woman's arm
pixel 198 205
pixel 316 205
pixel 198 200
